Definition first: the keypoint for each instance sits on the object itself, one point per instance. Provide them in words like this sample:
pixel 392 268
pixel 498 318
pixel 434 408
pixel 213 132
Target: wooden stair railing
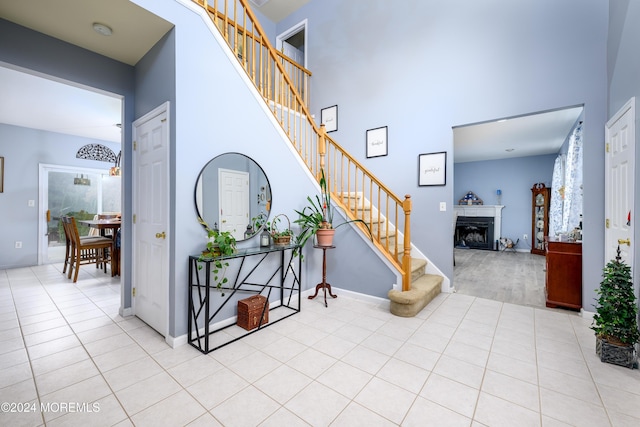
pixel 352 185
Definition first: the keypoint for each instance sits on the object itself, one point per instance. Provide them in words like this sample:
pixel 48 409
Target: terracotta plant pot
pixel 325 236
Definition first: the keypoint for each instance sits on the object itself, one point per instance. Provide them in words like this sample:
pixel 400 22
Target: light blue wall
pixel 213 112
pixel 23 150
pixel 422 67
pixel 514 177
pixel 216 112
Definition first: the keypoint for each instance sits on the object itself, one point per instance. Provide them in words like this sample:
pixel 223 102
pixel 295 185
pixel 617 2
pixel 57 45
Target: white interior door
pixel 619 183
pixel 234 201
pixel 151 219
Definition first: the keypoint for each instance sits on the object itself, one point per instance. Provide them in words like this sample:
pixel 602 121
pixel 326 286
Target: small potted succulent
pixel 615 322
pixel 280 236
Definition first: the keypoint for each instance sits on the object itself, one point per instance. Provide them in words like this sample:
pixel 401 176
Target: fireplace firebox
pixel 474 232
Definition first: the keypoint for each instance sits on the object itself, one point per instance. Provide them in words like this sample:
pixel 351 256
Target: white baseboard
pixel 126 312
pixel 587 314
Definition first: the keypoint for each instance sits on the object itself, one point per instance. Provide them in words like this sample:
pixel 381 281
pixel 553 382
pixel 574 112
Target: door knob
pixel 161 235
pixel 624 242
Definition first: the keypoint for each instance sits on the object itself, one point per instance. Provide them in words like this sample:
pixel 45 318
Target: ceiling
pixel 277 10
pixel 529 135
pixel 39 102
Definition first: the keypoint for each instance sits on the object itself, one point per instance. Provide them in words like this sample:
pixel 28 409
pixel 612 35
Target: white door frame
pixel 613 228
pixel 43 201
pixel 302 25
pixel 161 109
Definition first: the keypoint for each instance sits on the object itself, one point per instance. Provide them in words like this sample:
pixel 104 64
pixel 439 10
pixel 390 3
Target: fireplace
pixel 475 232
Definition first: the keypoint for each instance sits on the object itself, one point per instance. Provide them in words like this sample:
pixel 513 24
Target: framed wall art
pixel 329 118
pixel 432 169
pixel 1 174
pixel 377 142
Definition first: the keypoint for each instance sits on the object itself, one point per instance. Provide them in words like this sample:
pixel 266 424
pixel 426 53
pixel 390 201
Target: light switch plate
pixel 443 206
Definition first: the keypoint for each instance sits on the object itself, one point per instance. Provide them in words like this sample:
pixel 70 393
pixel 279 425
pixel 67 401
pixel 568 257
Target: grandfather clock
pixel 539 217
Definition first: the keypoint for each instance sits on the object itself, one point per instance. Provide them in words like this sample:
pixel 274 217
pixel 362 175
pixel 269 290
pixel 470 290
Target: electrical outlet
pixel 525 236
pixel 18 245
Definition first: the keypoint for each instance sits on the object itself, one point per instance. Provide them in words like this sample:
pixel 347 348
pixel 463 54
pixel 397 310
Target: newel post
pixel 406 258
pixel 322 148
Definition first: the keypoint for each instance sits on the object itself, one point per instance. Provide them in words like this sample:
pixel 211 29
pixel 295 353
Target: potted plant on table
pixel 280 236
pixel 220 243
pixel 316 219
pixel 615 322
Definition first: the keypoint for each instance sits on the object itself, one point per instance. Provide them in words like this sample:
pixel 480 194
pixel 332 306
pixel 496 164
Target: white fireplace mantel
pixel 494 211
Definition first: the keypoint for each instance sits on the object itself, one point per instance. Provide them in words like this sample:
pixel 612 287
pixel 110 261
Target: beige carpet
pixel 512 277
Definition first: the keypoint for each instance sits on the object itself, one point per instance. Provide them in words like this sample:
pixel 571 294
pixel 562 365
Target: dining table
pixel 108 224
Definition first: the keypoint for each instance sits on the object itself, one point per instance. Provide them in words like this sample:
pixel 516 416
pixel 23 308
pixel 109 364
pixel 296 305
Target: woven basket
pixel 282 240
pixel 616 354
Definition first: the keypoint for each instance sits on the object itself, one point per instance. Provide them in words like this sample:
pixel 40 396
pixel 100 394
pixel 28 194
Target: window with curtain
pixel 565 212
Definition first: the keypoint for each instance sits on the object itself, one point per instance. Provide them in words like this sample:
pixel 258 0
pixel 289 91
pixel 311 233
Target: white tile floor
pixel 463 361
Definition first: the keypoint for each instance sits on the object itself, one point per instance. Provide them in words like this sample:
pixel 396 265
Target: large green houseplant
pixel 317 216
pixel 616 320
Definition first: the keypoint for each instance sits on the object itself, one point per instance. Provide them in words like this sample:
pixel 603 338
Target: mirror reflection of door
pixel 234 201
pixel 77 192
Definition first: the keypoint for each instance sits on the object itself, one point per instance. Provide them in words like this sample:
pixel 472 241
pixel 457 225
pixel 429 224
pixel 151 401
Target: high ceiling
pixel 40 102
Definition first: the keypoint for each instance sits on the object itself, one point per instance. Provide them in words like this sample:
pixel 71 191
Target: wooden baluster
pixel 406 259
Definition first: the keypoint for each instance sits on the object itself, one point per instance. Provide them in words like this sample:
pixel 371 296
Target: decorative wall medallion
pixel 96 152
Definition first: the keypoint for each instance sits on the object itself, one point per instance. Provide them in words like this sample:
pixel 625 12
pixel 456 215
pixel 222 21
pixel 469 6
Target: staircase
pixel 424 287
pixel 283 84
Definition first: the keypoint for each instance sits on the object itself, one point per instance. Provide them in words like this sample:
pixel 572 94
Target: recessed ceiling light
pixel 102 29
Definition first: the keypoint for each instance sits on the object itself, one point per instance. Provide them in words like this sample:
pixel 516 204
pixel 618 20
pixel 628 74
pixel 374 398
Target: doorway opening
pixel 293 43
pixel 500 160
pixel 72 191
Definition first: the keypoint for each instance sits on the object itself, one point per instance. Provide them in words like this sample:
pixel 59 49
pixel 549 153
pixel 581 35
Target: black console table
pixel 210 311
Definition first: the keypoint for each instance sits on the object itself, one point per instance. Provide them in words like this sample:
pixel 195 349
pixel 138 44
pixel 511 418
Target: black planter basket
pixel 615 354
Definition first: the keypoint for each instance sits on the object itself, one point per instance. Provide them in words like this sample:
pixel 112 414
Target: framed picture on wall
pixel 377 142
pixel 432 169
pixel 329 118
pixel 1 174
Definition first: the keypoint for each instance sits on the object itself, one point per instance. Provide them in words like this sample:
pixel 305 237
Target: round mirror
pixel 233 194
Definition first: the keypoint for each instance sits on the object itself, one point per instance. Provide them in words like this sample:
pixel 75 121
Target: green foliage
pixel 220 243
pixel 319 214
pixel 274 228
pixel 616 318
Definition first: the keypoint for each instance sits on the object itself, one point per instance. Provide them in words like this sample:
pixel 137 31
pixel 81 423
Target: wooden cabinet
pixel 539 217
pixel 564 274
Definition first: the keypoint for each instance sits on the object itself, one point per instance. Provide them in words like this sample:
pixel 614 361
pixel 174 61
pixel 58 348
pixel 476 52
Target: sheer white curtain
pixel 573 185
pixel 566 187
pixel 557 196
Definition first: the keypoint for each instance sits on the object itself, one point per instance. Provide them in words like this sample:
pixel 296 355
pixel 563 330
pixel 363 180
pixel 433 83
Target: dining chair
pixel 69 243
pixel 86 251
